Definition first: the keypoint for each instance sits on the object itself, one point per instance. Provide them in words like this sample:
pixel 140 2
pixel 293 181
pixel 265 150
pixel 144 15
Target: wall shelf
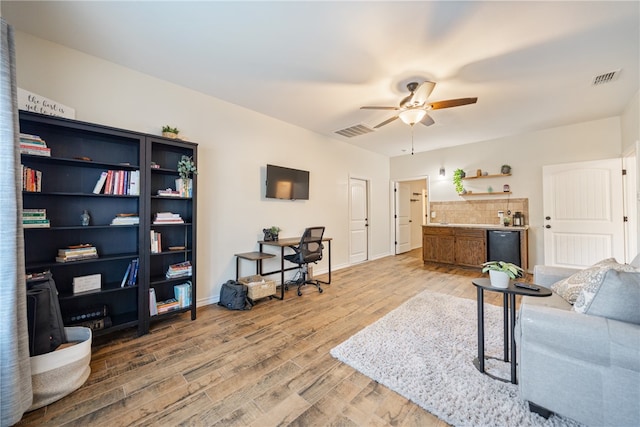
pixel 499 175
pixel 493 193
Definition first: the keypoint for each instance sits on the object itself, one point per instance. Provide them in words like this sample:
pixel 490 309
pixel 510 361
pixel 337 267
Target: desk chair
pixel 308 250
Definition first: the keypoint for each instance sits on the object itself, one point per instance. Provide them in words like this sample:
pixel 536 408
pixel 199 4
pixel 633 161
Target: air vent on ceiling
pixel 606 77
pixel 356 130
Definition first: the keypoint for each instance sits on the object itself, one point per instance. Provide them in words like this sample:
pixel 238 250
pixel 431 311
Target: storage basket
pixel 258 287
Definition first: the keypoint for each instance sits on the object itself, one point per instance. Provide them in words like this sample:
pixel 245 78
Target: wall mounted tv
pixel 287 183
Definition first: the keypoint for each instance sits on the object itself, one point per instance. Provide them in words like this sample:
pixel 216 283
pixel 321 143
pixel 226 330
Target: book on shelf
pixel 35 218
pixel 31 179
pixel 156 242
pixel 100 183
pixel 168 305
pixel 77 253
pixel 126 276
pixel 78 258
pixel 133 274
pixel 34 145
pixel 179 270
pixel 125 220
pixel 182 293
pixel 118 182
pixel 30 137
pixel 167 218
pixel 169 192
pixel 153 304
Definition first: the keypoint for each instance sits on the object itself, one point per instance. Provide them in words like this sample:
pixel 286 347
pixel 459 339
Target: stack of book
pixel 77 253
pixel 130 277
pixel 168 305
pixel 34 145
pixel 125 219
pixel 35 218
pixel 169 192
pixel 182 293
pixel 31 179
pixel 156 242
pixel 168 218
pixel 118 182
pixel 180 269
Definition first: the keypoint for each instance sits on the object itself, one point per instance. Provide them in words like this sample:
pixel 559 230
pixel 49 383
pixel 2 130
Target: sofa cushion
pixel 616 297
pixel 570 288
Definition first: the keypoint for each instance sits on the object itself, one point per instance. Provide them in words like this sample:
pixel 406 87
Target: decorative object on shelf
pixel 170 132
pixel 505 169
pixel 458 174
pixel 500 272
pixel 478 172
pixel 489 189
pixel 518 219
pixel 85 218
pixel 271 233
pixel 186 167
pixel 506 221
pixel 485 173
pixel 506 188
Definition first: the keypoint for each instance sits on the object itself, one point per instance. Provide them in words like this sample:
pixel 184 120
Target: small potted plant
pixel 184 184
pixel 458 174
pixel 170 132
pixel 271 233
pixel 505 169
pixel 500 272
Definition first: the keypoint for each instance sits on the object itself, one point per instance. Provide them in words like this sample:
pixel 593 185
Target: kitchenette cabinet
pixel 464 246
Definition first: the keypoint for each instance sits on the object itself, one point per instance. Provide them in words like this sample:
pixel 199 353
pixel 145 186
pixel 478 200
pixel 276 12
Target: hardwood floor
pixel 264 367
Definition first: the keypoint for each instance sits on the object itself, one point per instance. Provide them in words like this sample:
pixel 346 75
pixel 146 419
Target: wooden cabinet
pixel 79 154
pixel 470 247
pixel 438 244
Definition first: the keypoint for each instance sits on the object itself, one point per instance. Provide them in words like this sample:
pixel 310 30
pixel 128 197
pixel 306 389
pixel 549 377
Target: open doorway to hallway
pixel 410 213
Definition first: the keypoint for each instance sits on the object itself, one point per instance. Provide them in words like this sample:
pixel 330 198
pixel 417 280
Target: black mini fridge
pixel 504 246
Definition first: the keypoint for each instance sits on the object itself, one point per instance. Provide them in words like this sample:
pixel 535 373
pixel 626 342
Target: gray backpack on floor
pixel 233 295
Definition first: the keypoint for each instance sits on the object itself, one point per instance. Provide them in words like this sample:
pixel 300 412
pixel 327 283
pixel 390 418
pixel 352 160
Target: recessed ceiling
pixel 314 64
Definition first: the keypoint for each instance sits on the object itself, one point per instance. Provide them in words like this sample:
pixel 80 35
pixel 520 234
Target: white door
pixel 583 216
pixel 403 217
pixel 631 204
pixel 358 221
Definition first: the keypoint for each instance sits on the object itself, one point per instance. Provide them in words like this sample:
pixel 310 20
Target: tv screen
pixel 287 183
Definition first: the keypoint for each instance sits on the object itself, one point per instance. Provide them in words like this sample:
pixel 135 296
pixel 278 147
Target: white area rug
pixel 424 351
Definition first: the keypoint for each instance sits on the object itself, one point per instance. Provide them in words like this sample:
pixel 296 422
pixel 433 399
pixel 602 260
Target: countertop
pixel 481 226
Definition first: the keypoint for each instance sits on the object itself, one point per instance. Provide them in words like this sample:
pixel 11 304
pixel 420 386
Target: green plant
pixel 186 167
pixel 512 270
pixel 505 169
pixel 274 229
pixel 170 129
pixel 458 174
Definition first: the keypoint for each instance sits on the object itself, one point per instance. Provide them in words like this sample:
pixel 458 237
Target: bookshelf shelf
pixel 80 153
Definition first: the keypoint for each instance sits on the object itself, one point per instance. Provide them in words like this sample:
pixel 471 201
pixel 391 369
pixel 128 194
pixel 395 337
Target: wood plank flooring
pixel 269 366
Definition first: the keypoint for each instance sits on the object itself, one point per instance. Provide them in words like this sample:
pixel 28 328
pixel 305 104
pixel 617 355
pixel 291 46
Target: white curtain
pixel 15 369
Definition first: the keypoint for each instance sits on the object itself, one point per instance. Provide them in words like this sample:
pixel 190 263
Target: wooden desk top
pixel 287 241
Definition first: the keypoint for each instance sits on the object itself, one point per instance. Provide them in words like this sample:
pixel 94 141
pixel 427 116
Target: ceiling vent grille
pixel 606 77
pixel 356 130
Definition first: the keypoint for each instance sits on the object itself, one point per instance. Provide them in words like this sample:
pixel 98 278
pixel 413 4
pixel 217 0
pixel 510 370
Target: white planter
pixel 499 279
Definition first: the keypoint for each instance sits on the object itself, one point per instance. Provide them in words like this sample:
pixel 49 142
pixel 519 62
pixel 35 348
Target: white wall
pixel 527 153
pixel 235 145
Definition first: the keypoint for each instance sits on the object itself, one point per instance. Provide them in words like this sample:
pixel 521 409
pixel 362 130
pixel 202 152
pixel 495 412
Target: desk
pixel 285 243
pixel 508 319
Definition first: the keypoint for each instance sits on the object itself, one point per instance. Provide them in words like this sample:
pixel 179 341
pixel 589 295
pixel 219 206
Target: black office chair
pixel 308 250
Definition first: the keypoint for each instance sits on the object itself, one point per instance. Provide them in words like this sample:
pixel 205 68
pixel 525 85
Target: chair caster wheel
pixel 320 290
pixel 299 293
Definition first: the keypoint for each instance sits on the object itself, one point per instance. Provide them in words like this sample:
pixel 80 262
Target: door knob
pixel 547 218
pixel 547 226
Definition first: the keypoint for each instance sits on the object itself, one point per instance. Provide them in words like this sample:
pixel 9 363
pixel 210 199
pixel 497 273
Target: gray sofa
pixel 585 366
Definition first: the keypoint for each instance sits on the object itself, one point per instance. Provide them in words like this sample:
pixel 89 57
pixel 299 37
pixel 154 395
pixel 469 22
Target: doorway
pixel 410 213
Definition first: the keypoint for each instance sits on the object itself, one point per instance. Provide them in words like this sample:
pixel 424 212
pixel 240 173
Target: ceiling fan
pixel 414 107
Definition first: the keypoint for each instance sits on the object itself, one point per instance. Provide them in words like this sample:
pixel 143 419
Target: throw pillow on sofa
pixel 570 288
pixel 617 297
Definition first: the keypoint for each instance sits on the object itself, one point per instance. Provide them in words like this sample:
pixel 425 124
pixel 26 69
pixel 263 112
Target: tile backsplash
pixel 477 211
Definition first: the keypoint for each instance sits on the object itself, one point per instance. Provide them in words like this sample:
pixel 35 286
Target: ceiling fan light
pixel 412 116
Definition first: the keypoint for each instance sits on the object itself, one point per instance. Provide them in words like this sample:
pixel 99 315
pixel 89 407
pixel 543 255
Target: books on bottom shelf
pixel 159 307
pixel 35 218
pixel 130 277
pixel 180 269
pixel 77 253
pixel 182 293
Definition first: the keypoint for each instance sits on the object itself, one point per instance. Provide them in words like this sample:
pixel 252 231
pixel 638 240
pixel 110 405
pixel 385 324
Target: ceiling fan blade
pixel 427 120
pixel 379 108
pixel 386 122
pixel 422 94
pixel 438 105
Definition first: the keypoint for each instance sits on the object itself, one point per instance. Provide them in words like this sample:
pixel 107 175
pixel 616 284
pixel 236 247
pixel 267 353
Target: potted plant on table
pixel 271 233
pixel 170 132
pixel 184 184
pixel 500 272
